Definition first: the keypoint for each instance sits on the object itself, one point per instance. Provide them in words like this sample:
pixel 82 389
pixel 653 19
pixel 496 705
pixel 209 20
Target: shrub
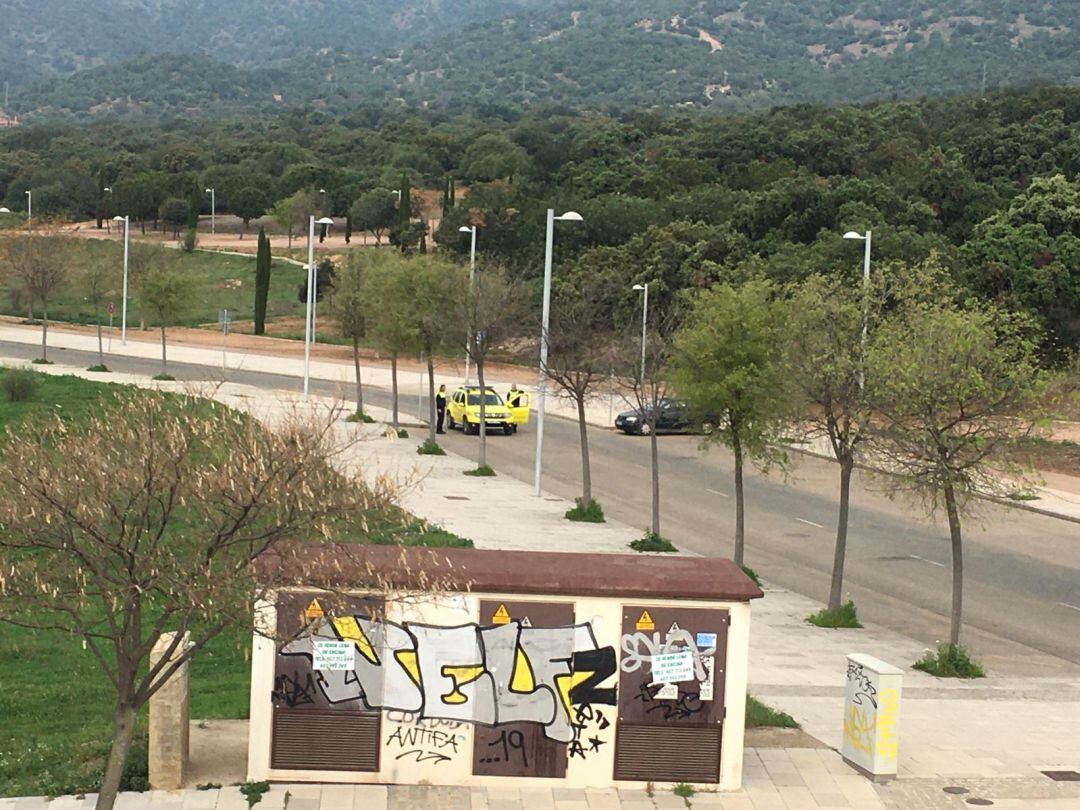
pixel 402 433
pixel 586 513
pixel 759 715
pixel 360 417
pixel 253 791
pixel 136 772
pixel 950 661
pixel 750 572
pixel 683 790
pixel 164 377
pixel 99 367
pixel 430 448
pixel 843 616
pixel 20 385
pixel 190 240
pixel 41 361
pixel 653 542
pixel 484 472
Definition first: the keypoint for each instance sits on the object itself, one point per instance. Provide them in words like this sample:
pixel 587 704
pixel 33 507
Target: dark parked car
pixel 676 416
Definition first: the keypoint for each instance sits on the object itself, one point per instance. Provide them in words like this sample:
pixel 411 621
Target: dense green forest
pixel 148 58
pixel 989 185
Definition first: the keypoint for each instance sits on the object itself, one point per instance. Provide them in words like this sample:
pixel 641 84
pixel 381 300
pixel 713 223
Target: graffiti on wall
pixel 417 739
pixel 494 675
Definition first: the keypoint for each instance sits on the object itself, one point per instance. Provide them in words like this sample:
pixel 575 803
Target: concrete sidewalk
pixel 992 738
pixel 1050 501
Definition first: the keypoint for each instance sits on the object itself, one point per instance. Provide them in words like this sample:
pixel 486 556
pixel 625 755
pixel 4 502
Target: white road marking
pixel 718 492
pixel 810 523
pixel 923 559
pixel 1071 607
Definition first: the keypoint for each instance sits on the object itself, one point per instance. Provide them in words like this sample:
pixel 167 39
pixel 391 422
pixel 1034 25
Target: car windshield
pixel 491 399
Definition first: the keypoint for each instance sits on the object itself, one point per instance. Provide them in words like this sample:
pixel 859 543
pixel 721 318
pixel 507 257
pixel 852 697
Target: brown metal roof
pixel 532 572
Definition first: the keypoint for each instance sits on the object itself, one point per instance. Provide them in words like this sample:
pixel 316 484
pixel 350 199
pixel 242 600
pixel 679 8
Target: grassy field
pixel 55 702
pixel 219 281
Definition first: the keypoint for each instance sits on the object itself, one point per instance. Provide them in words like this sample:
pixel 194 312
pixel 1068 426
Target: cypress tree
pixel 453 192
pixel 405 204
pixel 262 281
pixel 348 228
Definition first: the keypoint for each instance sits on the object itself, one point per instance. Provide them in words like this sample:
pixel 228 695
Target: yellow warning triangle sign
pixel 314 611
pixel 645 621
pixel 501 616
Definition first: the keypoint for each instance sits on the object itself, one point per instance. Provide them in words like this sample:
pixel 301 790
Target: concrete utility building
pixel 464 667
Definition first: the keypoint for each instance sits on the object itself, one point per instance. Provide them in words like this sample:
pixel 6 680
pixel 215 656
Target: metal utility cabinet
pixel 465 667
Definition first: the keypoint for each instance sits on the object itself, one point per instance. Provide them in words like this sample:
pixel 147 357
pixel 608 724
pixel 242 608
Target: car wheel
pixel 450 423
pixel 645 429
pixel 467 427
pixel 508 430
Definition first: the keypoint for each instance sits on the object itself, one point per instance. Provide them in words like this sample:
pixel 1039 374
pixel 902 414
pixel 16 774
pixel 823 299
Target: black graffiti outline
pixel 289 690
pixel 424 756
pixel 601 662
pixel 682 708
pixel 863 687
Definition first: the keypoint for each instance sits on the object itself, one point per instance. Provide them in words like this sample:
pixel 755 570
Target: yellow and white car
pixel 463 410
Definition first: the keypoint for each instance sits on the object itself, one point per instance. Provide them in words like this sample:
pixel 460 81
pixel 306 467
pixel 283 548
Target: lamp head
pixel 639 287
pixel 570 216
pixel 466 229
pixel 5 210
pixel 209 190
pixel 322 190
pixel 108 189
pixel 118 218
pixel 854 235
pixel 324 221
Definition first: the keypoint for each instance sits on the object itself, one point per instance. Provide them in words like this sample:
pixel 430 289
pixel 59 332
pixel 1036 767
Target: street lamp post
pixel 866 296
pixel 644 325
pixel 29 210
pixel 213 210
pixel 309 325
pixel 470 229
pixel 123 303
pixel 108 227
pixel 569 216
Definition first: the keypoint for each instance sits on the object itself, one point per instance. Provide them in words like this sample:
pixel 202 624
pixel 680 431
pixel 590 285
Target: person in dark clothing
pixel 440 408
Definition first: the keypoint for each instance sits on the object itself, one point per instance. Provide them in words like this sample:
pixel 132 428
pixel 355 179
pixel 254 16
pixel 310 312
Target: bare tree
pixel 581 354
pixel 147 519
pixel 97 279
pixel 39 260
pixel 491 312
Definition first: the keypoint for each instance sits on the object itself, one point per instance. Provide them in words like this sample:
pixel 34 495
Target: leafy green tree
pixel 350 308
pixel 726 362
pixel 493 157
pixel 953 390
pixel 388 313
pixel 248 203
pixel 294 212
pixel 263 261
pixel 174 213
pixel 40 263
pixel 374 211
pixel 167 294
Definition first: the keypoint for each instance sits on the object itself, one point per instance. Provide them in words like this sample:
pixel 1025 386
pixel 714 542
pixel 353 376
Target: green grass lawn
pixel 55 702
pixel 220 282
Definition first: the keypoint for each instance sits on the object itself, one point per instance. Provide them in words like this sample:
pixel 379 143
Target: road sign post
pixel 224 318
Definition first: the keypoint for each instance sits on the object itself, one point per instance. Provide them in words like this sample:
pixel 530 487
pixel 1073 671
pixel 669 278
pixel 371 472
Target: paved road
pixel 1022 592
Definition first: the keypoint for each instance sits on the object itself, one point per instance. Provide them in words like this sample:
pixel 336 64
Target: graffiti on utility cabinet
pixel 506 673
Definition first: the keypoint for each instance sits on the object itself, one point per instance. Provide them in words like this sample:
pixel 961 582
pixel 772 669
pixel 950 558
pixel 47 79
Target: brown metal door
pixel 671 694
pixel 519 748
pixel 320 720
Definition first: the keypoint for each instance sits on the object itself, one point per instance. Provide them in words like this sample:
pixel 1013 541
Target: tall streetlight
pixel 644 325
pixel 866 296
pixel 123 302
pixel 213 209
pixel 311 293
pixel 470 229
pixel 29 209
pixel 108 190
pixel 569 216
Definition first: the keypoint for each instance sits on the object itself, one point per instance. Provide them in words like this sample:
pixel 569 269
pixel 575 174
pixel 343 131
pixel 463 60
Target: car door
pixel 455 406
pixel 519 415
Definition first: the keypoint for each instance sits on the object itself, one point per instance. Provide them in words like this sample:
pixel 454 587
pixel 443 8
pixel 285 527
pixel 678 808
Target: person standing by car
pixel 440 408
pixel 513 396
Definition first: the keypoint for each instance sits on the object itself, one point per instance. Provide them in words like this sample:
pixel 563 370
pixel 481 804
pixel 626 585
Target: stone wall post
pixel 169 721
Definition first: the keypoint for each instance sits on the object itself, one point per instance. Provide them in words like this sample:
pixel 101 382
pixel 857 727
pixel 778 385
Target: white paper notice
pixel 675 667
pixel 334 656
pixel 707 684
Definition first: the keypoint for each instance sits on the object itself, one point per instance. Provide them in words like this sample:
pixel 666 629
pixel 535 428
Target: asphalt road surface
pixel 1022 569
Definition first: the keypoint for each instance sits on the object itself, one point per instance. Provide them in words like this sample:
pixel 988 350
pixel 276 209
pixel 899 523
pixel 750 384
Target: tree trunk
pixel 655 453
pixel 164 367
pixel 359 385
pixel 957 564
pixel 123 732
pixel 740 537
pixel 586 471
pixel 290 237
pixel 100 347
pixel 483 412
pixel 840 553
pixel 431 397
pixel 393 388
pixel 44 333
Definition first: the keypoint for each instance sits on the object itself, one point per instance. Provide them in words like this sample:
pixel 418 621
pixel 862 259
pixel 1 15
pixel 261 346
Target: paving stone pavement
pixel 990 737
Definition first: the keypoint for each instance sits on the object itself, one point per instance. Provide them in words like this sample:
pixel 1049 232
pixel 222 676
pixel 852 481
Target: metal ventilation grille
pixel 667 754
pixel 325 741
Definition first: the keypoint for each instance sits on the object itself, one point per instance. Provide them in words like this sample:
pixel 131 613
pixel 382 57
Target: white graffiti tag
pixel 638 649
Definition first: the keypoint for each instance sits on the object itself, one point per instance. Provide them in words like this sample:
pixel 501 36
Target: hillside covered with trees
pixel 141 57
pixel 989 185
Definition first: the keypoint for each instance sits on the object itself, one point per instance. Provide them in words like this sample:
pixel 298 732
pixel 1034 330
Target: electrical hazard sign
pixel 645 621
pixel 314 611
pixel 501 616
